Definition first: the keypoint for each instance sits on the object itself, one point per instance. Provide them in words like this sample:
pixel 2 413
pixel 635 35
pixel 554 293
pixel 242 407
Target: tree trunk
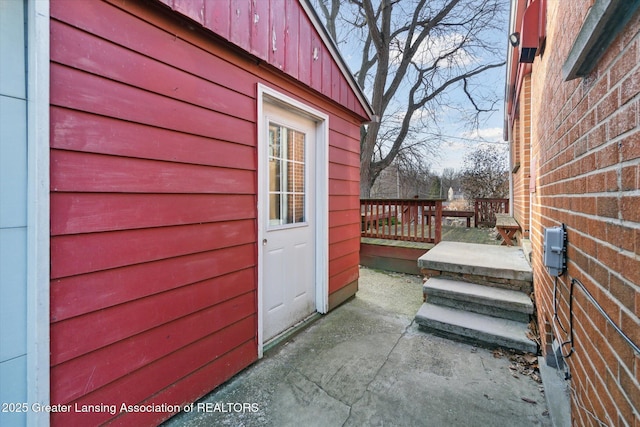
pixel 365 177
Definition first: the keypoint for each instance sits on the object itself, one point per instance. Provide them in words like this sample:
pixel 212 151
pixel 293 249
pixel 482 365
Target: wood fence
pixel 402 219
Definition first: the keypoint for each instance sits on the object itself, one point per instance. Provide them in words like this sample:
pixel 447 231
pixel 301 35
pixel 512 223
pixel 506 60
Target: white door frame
pixel 321 155
pixel 38 211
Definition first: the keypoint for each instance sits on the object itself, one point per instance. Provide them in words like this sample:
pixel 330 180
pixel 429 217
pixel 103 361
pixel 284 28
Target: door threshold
pixel 287 334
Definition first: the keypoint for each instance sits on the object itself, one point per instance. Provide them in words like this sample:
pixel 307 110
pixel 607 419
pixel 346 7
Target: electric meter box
pixel 555 250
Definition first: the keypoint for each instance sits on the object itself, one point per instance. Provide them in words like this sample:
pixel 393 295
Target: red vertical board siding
pixel 292 38
pixel 304 50
pixel 317 54
pixel 241 18
pixel 153 189
pixel 277 33
pixel 326 72
pixel 260 39
pixel 335 81
pixel 217 17
pixel 194 9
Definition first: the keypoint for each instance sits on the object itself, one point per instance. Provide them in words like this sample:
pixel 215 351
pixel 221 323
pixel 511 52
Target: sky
pixel 458 139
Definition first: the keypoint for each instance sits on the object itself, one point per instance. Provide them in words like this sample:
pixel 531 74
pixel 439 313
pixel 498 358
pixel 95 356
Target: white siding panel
pixel 13 388
pixel 12 49
pixel 13 304
pixel 13 211
pixel 13 162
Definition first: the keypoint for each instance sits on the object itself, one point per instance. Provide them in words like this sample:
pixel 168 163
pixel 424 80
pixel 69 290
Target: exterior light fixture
pixel 514 39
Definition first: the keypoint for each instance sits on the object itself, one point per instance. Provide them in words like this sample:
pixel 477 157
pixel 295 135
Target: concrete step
pixel 496 302
pixel 491 265
pixel 479 329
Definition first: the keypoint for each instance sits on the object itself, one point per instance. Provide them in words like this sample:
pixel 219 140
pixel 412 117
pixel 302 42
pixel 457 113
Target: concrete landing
pixel 496 302
pixel 485 330
pixel 480 260
pixel 367 364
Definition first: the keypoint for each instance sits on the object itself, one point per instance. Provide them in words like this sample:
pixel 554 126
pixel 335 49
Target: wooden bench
pixel 370 219
pixel 507 227
pixel 451 214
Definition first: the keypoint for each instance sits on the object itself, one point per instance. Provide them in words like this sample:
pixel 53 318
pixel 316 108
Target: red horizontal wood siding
pixel 154 191
pixel 104 135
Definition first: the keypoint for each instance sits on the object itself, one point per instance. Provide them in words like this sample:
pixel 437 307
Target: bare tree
pixel 485 173
pixel 412 53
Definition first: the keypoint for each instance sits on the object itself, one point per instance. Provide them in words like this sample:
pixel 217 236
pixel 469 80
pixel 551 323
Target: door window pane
pixel 286 175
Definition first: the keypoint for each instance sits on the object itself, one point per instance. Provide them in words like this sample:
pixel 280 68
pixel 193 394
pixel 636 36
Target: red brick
pixel 580 147
pixel 610 54
pixel 608 256
pixel 620 236
pixel 629 177
pixel 623 292
pixel 610 407
pixel 607 207
pixel 589 163
pixel 611 181
pixel 588 122
pixel 596 183
pixel 630 147
pixel 608 355
pixel 607 156
pixel 586 244
pixel 626 411
pixel 631 268
pixel 597 136
pixel 608 105
pixel 631 327
pixel 630 87
pixel 597 92
pixel 630 207
pixel 623 120
pixel 619 345
pixel 577 257
pixel 630 388
pixel 623 66
pixel 598 409
pixel 609 305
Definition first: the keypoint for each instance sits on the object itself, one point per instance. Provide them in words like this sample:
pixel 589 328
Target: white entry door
pixel 288 245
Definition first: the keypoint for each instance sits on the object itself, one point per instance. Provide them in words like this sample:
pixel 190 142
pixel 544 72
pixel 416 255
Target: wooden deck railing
pixel 486 210
pixel 402 219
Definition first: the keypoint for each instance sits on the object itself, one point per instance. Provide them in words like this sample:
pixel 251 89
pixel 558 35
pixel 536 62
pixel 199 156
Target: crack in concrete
pixel 375 376
pixel 322 388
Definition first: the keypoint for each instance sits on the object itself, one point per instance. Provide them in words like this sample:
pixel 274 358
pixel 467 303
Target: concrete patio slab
pixel 367 363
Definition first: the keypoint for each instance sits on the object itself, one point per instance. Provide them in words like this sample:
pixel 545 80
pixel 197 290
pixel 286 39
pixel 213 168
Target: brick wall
pixel 520 149
pixel 584 135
